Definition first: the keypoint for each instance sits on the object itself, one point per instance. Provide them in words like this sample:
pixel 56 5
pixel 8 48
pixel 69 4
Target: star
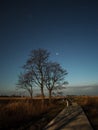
pixel 57 53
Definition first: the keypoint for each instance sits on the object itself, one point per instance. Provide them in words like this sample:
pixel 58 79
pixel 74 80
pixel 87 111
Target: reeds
pixel 16 113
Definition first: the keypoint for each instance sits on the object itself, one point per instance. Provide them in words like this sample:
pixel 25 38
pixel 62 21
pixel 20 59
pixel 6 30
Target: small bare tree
pixel 54 78
pixel 25 82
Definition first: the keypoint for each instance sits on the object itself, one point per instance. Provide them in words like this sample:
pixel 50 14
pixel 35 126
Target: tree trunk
pixel 50 96
pixel 43 96
pixel 31 93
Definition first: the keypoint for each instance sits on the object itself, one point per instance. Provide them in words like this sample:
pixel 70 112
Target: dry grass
pixel 15 114
pixel 90 106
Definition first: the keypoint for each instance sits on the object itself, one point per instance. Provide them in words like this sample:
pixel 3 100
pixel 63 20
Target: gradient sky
pixel 66 28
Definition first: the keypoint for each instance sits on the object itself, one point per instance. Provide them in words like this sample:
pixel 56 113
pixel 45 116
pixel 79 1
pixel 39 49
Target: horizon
pixel 87 90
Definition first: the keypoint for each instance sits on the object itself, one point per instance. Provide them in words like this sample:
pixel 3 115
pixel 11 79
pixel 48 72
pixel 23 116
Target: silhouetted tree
pixel 58 89
pixel 54 77
pixel 38 71
pixel 25 82
pixel 35 66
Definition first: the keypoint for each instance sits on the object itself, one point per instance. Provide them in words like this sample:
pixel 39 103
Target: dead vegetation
pixel 90 107
pixel 16 114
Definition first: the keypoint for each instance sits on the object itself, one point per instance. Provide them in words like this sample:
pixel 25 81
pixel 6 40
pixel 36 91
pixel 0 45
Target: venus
pixel 57 53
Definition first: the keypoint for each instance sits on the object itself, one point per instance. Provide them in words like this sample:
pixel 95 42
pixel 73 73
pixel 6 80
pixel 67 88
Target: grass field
pixel 16 112
pixel 90 107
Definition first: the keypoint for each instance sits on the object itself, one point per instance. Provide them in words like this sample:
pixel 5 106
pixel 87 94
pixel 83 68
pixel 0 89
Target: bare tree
pixel 39 72
pixel 54 77
pixel 25 82
pixel 35 66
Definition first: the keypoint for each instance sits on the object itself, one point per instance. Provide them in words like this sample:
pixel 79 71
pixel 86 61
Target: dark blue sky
pixel 66 27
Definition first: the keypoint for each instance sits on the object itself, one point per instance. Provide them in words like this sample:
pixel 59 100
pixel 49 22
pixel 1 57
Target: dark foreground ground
pixel 90 107
pixel 20 113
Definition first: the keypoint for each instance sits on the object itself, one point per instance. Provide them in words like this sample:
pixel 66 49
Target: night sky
pixel 66 28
